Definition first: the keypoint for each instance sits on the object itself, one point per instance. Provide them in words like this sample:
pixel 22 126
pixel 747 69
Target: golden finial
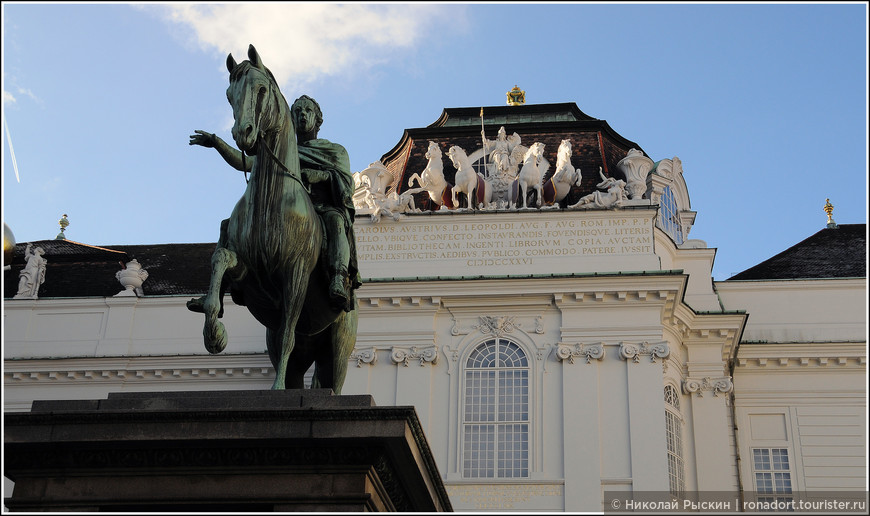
pixel 516 97
pixel 829 209
pixel 64 222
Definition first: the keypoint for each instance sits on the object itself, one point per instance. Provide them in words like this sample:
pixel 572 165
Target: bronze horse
pixel 269 256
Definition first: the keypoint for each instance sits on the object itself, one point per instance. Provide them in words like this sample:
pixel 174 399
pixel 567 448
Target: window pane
pixel 513 454
pixel 479 453
pixel 480 396
pixel 761 459
pixel 513 396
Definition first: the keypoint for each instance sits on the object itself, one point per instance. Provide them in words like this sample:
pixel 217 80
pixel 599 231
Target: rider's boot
pixel 338 298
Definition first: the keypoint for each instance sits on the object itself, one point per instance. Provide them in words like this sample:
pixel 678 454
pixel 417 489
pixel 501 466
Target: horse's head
pixel 255 99
pixel 456 155
pixel 434 151
pixel 564 152
pixel 535 153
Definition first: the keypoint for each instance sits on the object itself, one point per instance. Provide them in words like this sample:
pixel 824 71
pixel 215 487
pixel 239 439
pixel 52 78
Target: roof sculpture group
pixel 512 179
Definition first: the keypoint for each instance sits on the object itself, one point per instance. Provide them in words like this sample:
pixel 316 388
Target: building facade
pixel 557 347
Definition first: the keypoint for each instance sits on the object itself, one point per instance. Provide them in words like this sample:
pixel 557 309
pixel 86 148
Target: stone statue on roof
pixel 33 274
pixel 505 154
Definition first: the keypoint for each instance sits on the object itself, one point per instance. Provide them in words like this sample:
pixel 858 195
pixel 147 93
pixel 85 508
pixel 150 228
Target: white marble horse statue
pixel 566 176
pixel 432 179
pixel 531 174
pixel 468 181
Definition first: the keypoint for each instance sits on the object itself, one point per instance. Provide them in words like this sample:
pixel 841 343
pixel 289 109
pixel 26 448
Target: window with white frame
pixel 496 415
pixel 772 475
pixel 669 216
pixel 674 437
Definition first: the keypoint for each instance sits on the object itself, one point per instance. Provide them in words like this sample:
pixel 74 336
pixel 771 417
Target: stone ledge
pixel 260 450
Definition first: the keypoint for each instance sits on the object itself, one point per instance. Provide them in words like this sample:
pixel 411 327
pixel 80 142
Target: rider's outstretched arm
pixel 230 154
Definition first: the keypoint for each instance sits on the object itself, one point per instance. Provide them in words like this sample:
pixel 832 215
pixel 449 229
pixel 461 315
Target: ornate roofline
pixel 440 129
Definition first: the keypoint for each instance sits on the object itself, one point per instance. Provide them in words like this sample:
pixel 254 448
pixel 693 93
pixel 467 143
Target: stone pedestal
pixel 295 450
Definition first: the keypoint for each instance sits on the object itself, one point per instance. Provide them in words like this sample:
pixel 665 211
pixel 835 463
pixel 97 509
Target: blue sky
pixel 764 104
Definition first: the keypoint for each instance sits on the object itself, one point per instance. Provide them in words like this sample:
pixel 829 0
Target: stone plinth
pixel 295 450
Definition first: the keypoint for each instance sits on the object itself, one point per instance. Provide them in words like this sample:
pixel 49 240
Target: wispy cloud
pixel 304 42
pixel 10 98
pixel 29 93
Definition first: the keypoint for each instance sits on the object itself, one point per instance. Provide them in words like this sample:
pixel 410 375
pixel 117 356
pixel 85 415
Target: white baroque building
pixel 553 354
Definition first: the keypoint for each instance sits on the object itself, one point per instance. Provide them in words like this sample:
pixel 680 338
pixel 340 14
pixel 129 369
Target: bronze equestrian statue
pixel 288 255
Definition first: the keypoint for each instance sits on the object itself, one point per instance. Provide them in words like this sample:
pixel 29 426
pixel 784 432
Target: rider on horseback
pixel 325 166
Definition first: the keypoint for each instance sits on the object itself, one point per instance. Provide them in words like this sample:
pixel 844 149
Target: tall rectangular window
pixel 772 475
pixel 496 416
pixel 674 437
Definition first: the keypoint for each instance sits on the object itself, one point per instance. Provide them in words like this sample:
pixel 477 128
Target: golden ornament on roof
pixel 63 222
pixel 516 97
pixel 829 209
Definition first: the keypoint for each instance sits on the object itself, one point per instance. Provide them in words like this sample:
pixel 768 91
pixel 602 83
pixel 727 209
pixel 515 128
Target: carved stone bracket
pixel 633 351
pixel 716 385
pixel 403 355
pixel 539 328
pixel 496 326
pixel 364 356
pixel 569 352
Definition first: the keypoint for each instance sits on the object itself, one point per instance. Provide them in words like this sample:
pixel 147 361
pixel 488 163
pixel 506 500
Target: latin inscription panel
pixel 512 243
pixel 494 497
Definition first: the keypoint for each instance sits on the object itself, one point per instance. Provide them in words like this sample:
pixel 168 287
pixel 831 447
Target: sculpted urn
pixel 131 278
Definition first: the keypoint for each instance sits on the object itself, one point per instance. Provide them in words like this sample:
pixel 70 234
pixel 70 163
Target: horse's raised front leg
pixel 213 332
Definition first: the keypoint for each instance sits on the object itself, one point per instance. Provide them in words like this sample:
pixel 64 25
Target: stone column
pixel 646 413
pixel 580 424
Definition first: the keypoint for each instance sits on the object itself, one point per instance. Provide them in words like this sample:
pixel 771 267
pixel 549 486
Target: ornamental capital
pixel 364 356
pixel 570 351
pixel 404 354
pixel 634 351
pixel 716 385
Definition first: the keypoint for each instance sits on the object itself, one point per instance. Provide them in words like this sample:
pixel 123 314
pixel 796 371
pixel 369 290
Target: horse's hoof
pixel 195 305
pixel 215 337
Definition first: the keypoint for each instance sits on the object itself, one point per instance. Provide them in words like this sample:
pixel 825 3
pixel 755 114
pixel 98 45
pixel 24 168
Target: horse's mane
pixel 241 68
pixel 564 152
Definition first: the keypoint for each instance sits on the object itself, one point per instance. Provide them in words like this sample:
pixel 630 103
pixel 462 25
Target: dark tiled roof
pixel 831 253
pixel 74 269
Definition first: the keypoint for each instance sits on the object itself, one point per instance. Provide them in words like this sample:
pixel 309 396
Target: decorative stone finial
pixel 64 222
pixel 131 276
pixel 516 97
pixel 829 209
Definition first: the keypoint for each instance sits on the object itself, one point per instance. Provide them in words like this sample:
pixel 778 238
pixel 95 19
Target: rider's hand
pixel 202 138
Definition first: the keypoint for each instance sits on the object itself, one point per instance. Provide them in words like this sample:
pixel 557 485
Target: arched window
pixel 674 436
pixel 496 416
pixel 669 216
